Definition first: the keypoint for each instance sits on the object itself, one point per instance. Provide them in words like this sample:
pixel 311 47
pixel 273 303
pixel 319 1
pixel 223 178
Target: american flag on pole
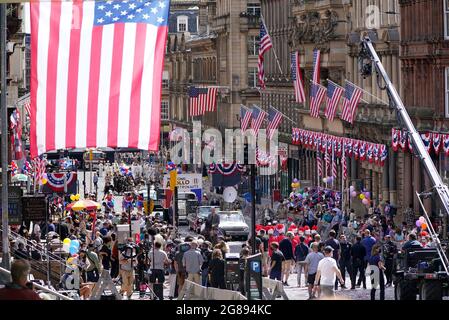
pixel 316 66
pixel 298 83
pixel 344 164
pixel 327 161
pixel 96 73
pixel 264 45
pixel 258 115
pixel 39 166
pixel 245 118
pixel 16 135
pixel 318 92
pixel 274 120
pixel 334 162
pixel 202 100
pixel 27 107
pixel 319 162
pixel 353 94
pixel 334 93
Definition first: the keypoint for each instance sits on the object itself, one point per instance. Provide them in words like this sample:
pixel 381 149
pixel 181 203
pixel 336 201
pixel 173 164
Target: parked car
pixel 197 218
pixel 187 204
pixel 233 225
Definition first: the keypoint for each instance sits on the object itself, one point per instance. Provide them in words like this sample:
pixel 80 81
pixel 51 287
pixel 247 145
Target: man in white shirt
pixel 326 273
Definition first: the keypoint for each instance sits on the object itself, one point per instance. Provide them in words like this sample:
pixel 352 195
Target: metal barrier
pixel 194 291
pixel 272 288
pixel 55 293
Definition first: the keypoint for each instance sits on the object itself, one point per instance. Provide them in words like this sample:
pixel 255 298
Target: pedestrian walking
pixel 377 273
pixel 389 251
pixel 301 252
pixel 286 247
pixel 217 270
pixel 358 253
pixel 345 258
pixel 312 260
pixel 192 262
pixel 276 262
pixel 327 273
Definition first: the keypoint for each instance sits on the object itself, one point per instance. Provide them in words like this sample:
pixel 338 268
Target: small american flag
pixel 318 92
pixel 258 115
pixel 316 66
pixel 245 118
pixel 319 162
pixel 264 45
pixel 334 93
pixel 343 162
pixel 274 119
pixel 39 166
pixel 298 84
pixel 27 107
pixel 353 94
pixel 202 100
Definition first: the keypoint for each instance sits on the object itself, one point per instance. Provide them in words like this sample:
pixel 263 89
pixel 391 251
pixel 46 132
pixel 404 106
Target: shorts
pixel 276 275
pixel 311 278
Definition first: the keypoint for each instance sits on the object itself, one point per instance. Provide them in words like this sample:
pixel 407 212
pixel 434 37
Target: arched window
pixel 183 23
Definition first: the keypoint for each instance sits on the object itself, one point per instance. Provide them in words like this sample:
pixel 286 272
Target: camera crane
pixel 367 58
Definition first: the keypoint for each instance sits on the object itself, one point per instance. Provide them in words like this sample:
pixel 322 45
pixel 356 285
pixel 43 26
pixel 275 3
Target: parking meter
pixel 253 277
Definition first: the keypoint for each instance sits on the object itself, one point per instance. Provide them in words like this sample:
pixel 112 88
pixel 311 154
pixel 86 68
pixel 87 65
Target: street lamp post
pixel 4 140
pixel 253 207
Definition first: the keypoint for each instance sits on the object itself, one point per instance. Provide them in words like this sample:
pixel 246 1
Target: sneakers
pixel 285 283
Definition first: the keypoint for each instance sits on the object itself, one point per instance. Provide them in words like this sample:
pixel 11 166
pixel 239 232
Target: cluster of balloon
pixel 44 179
pixel 295 184
pixel 170 166
pixel 75 197
pixel 70 246
pixel 421 223
pixel 328 179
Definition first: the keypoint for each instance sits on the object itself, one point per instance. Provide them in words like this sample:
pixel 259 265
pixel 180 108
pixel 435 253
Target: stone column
pixel 427 186
pixel 375 191
pixel 392 156
pixel 385 181
pixel 416 186
pixel 354 169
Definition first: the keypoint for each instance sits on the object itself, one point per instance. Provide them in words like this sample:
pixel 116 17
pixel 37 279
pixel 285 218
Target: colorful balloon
pixel 365 202
pixel 418 223
pixel 351 189
pixel 72 197
pixel 422 219
pixel 44 181
pixel 66 241
pixel 362 196
pixel 367 195
pixel 354 194
pixel 423 226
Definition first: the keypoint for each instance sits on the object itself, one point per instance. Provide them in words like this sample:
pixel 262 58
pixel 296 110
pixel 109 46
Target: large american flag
pixel 96 73
pixel 264 45
pixel 245 117
pixel 258 115
pixel 334 93
pixel 274 120
pixel 202 100
pixel 298 84
pixel 318 92
pixel 353 94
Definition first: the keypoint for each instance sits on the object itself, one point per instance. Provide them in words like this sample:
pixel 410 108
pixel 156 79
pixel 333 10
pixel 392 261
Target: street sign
pixel 253 277
pixel 34 208
pixel 185 182
pixel 14 205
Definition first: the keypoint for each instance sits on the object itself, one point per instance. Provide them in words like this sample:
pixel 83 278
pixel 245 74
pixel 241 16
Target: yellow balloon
pixel 77 196
pixel 44 181
pixel 362 196
pixel 72 197
pixel 66 241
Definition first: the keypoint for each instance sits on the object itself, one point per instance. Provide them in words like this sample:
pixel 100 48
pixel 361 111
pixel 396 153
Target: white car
pixel 233 224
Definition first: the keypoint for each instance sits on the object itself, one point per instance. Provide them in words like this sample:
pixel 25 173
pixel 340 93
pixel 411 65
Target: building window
pixel 253 45
pixel 253 9
pixel 252 77
pixel 446 19
pixel 183 23
pixel 165 80
pixel 164 110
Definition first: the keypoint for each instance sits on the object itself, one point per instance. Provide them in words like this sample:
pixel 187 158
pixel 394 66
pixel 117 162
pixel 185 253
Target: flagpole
pixel 274 50
pixel 317 166
pixel 332 166
pixel 343 179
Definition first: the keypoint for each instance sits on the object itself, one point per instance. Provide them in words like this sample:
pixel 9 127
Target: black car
pixel 197 218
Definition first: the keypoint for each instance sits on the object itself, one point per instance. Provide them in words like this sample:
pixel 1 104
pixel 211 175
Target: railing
pixel 55 293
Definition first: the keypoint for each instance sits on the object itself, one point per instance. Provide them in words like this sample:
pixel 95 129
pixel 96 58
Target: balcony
pixel 249 21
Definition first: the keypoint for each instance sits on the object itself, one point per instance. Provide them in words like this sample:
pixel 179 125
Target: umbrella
pixel 20 177
pixel 85 205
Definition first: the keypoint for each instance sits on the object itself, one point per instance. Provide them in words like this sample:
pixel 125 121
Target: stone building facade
pixel 425 78
pixel 335 28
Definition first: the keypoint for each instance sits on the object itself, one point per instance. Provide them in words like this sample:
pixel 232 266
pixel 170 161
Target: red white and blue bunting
pixel 436 141
pixel 226 169
pixel 360 150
